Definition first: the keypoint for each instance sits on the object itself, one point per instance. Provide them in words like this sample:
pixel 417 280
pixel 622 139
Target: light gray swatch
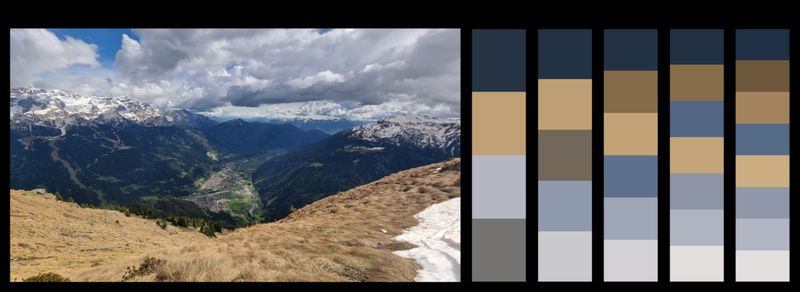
pixel 565 256
pixel 762 234
pixel 630 218
pixel 565 205
pixel 498 184
pixel 696 227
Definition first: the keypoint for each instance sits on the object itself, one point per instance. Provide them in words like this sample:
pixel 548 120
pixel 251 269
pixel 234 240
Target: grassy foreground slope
pixel 345 237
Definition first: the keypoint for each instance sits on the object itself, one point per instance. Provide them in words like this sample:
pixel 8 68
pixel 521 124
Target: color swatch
pixel 630 148
pixel 762 155
pixel 696 155
pixel 565 155
pixel 498 149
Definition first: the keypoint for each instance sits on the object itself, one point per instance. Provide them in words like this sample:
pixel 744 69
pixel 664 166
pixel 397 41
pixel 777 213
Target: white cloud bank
pixel 233 70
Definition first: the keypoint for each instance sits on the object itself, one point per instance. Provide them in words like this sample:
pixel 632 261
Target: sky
pixel 363 74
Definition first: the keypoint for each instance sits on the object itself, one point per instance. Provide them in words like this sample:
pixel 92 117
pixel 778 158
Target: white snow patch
pixel 438 241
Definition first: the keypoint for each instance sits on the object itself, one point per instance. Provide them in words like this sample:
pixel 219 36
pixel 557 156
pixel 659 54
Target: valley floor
pixel 346 237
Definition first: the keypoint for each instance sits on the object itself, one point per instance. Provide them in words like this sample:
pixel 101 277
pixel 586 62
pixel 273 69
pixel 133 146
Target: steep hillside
pixel 345 237
pixel 50 235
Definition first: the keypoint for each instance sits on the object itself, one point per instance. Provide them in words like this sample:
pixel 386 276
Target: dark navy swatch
pixel 762 139
pixel 696 46
pixel 630 176
pixel 498 60
pixel 696 118
pixel 630 49
pixel 565 54
pixel 762 44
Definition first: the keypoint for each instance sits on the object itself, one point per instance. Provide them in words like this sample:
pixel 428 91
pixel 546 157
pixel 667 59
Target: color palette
pixel 498 149
pixel 762 155
pixel 696 155
pixel 630 148
pixel 565 155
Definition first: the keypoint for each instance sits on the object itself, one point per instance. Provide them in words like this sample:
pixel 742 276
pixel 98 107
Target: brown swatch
pixel 565 155
pixel 630 91
pixel 762 76
pixel 762 107
pixel 696 82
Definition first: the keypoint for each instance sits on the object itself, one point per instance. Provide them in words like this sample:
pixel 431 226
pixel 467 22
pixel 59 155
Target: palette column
pixel 762 155
pixel 565 155
pixel 630 149
pixel 696 155
pixel 498 158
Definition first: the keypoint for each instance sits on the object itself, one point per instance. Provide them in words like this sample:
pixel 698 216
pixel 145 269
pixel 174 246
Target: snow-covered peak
pixel 420 130
pixel 59 108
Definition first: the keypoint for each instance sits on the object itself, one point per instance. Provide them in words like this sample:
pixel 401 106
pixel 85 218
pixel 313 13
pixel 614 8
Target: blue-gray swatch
pixel 762 203
pixel 696 191
pixel 498 187
pixel 565 205
pixel 630 176
pixel 696 118
pixel 762 139
pixel 630 218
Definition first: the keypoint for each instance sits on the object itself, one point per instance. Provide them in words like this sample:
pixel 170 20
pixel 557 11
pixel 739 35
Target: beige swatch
pixel 498 123
pixel 762 170
pixel 696 154
pixel 630 134
pixel 565 104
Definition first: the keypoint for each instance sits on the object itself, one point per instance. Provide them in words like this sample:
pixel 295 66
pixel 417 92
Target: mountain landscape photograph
pixel 235 155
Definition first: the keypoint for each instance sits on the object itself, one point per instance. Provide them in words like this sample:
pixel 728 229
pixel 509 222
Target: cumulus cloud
pixel 205 69
pixel 38 51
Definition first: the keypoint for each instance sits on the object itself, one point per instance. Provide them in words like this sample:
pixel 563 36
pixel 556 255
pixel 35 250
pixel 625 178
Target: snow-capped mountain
pixel 353 157
pixel 423 131
pixel 57 108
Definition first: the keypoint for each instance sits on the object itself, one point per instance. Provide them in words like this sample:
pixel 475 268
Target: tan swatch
pixel 762 107
pixel 696 154
pixel 565 104
pixel 762 170
pixel 696 82
pixel 498 123
pixel 630 91
pixel 630 134
pixel 762 76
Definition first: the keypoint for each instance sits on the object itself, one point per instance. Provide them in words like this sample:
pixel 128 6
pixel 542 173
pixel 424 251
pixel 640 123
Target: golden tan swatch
pixel 696 154
pixel 630 134
pixel 762 107
pixel 630 91
pixel 762 170
pixel 565 104
pixel 498 123
pixel 696 82
pixel 762 76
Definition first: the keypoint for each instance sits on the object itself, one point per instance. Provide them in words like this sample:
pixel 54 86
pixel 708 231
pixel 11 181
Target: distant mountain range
pixel 116 150
pixel 353 157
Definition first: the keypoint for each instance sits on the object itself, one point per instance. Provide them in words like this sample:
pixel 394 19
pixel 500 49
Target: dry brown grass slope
pixel 345 237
